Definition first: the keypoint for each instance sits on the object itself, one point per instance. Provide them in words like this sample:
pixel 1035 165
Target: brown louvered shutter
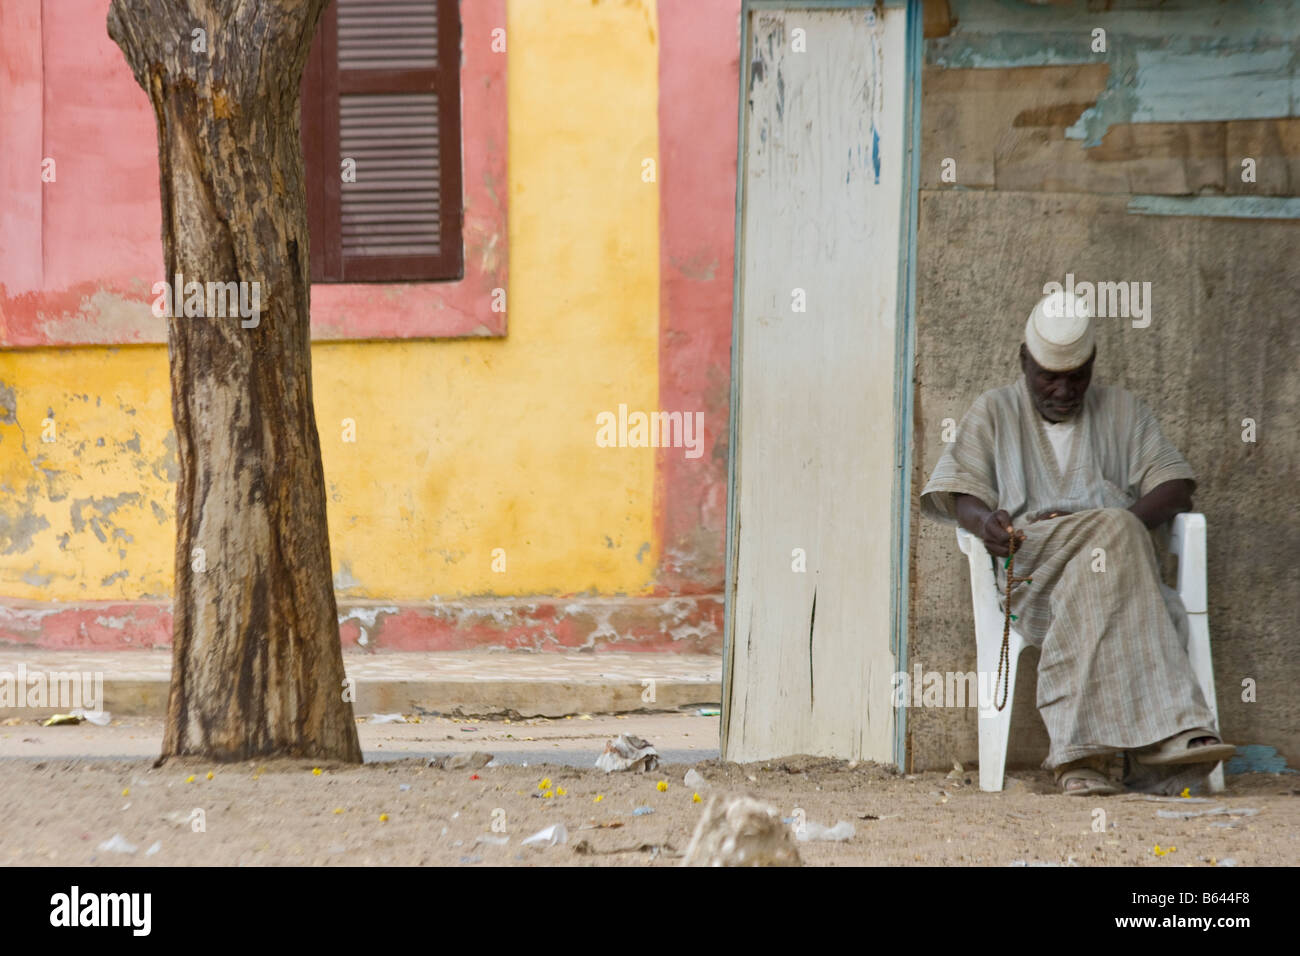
pixel 382 89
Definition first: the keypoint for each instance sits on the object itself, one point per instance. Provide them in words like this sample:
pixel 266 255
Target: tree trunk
pixel 257 667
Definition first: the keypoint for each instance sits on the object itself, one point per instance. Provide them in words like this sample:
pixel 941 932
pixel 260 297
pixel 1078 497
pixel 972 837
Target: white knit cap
pixel 1059 332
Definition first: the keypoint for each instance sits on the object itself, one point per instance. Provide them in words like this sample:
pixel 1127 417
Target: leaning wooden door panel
pixel 809 662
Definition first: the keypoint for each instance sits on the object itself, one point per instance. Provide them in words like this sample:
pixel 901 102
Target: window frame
pixel 322 86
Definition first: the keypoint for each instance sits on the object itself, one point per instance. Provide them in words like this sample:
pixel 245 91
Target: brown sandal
pixel 1179 749
pixel 1094 782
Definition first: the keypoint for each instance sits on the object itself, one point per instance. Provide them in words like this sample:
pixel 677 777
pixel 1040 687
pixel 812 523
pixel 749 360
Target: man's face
pixel 1057 395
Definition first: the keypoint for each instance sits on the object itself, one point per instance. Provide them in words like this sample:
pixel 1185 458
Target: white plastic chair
pixel 1187 542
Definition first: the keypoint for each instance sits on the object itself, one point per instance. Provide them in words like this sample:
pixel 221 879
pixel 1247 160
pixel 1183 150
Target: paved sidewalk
pixel 466 682
pixel 572 741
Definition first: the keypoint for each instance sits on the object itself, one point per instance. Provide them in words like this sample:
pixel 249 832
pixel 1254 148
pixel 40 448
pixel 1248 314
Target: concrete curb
pixel 135 697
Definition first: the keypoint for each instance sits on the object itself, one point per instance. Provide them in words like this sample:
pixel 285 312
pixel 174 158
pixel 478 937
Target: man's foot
pixel 1082 778
pixel 1191 746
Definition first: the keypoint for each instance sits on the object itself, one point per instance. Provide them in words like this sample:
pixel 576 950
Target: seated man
pixel 1078 475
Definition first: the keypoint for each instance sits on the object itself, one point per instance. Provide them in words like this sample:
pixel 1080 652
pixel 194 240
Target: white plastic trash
pixel 117 844
pixel 816 832
pixel 555 833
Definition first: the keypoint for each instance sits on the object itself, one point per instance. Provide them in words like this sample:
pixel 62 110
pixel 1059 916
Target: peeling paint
pixel 877 92
pixel 684 622
pixel 685 625
pixel 603 629
pixel 1015 33
pixel 104 315
pixel 25 616
pixel 343 579
pixel 37 580
pixel 1220 207
pixel 108 627
pixel 167 466
pixel 18 529
pixel 366 618
pixel 366 615
pixel 1194 63
pixel 8 405
pixel 105 507
pixel 1166 86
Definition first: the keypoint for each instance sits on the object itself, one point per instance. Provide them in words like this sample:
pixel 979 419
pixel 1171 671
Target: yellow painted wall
pixel 461 446
pixel 91 514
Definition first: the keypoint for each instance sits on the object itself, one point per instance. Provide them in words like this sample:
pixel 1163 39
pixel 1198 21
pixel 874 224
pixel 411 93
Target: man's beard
pixel 1057 414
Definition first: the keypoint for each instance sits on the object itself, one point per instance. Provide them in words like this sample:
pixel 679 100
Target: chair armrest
pixel 1187 540
pixel 983 579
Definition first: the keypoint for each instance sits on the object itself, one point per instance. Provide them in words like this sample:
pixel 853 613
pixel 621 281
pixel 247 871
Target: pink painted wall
pixel 699 79
pixel 79 256
pixel 20 150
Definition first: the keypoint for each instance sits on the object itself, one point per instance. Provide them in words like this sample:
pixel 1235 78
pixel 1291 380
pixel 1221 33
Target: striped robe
pixel 1113 674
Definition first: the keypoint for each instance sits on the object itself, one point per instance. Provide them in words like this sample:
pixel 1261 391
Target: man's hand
pixel 1164 501
pixel 997 531
pixel 992 527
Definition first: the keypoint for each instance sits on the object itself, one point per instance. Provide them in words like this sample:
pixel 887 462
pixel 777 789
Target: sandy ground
pixel 64 791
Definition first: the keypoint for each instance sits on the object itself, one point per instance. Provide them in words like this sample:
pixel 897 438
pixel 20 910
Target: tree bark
pixel 257 665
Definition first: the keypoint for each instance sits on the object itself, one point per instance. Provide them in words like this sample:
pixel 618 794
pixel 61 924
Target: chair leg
pixel 994 724
pixel 1198 653
pixel 1188 542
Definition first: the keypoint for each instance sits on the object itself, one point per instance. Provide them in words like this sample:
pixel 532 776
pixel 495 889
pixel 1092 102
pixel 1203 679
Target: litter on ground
pixel 626 752
pixel 550 836
pixel 816 832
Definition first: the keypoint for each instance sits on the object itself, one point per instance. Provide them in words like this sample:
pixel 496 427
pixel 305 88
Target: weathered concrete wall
pixel 1035 199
